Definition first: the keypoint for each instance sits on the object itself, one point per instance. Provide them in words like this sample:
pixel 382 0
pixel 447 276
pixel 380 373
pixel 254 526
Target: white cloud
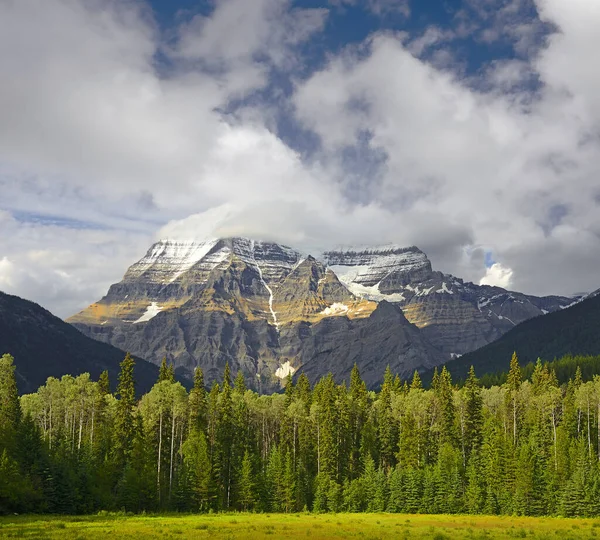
pixel 95 134
pixel 497 276
pixel 378 7
pixel 7 274
pixel 499 162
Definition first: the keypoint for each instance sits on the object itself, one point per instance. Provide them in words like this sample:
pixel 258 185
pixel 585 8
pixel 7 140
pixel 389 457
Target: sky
pixel 470 128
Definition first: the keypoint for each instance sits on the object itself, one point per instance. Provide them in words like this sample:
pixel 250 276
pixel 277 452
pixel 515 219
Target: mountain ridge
pixel 262 305
pixel 45 346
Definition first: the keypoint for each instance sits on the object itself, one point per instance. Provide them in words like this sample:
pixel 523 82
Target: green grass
pixel 271 526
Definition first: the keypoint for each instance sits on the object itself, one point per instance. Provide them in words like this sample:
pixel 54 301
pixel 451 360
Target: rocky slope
pixel 269 310
pixel 455 316
pixel 45 346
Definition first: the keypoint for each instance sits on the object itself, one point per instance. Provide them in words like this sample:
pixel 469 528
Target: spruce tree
pixel 473 433
pixel 416 383
pixel 104 383
pixel 246 483
pixel 198 403
pixel 124 419
pixel 446 406
pixel 166 371
pixel 357 416
pixel 513 384
pixel 225 440
pixel 10 409
pixel 388 431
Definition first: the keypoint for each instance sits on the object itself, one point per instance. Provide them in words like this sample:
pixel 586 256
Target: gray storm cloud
pixel 409 151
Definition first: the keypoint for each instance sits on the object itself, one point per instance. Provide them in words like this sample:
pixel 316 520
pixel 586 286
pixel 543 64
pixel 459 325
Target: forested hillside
pixel 527 447
pixel 44 345
pixel 572 331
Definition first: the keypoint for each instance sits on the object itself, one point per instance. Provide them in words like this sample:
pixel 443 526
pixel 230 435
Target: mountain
pixel 456 317
pixel 270 310
pixel 43 345
pixel 574 330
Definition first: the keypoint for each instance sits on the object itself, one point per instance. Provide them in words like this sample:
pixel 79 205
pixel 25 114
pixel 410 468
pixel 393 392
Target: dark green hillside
pixel 572 331
pixel 43 345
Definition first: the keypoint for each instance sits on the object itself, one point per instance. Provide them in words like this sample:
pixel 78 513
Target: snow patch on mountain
pixel 337 308
pixel 151 311
pixel 168 259
pixel 347 275
pixel 371 265
pixel 444 289
pixel 284 370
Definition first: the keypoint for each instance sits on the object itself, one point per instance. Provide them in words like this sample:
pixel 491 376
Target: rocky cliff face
pixel 455 316
pixel 248 303
pixel 270 311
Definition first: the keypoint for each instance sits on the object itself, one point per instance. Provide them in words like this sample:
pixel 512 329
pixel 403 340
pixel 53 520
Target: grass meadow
pixel 364 526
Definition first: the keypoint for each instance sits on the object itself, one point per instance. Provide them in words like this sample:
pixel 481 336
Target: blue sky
pixel 466 127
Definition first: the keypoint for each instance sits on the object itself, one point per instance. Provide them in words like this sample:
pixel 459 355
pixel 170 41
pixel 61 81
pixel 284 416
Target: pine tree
pixel 10 409
pixel 225 440
pixel 198 403
pixel 513 384
pixel 104 383
pixel 388 431
pixel 475 490
pixel 473 432
pixel 416 381
pixel 247 485
pixel 124 419
pixel 357 417
pixel 197 469
pixel 447 411
pixel 289 485
pixel 166 372
pixel 136 490
pixel 397 490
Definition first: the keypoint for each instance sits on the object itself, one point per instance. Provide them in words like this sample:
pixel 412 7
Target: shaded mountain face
pixel 574 330
pixel 270 311
pixel 45 346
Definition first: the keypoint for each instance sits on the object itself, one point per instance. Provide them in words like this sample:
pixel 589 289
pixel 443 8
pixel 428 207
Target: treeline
pixel 526 447
pixel 565 368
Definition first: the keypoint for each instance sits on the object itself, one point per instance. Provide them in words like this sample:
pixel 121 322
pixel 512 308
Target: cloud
pixel 101 144
pixel 497 276
pixel 61 268
pixel 378 7
pixel 499 159
pixel 115 132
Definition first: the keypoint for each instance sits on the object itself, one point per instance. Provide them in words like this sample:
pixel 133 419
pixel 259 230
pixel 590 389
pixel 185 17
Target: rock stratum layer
pixel 271 311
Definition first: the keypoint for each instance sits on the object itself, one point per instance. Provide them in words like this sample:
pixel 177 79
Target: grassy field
pixel 364 526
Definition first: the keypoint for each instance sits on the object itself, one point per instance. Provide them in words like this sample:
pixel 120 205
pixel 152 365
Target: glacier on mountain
pixel 151 311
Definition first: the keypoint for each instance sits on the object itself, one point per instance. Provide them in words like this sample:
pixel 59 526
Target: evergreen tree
pixel 388 432
pixel 124 419
pixel 198 403
pixel 166 372
pixel 512 396
pixel 447 412
pixel 473 432
pixel 225 440
pixel 197 470
pixel 247 484
pixel 357 417
pixel 104 383
pixel 416 381
pixel 10 409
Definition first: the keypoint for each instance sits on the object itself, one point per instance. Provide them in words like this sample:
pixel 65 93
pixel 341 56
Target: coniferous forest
pixel 527 447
